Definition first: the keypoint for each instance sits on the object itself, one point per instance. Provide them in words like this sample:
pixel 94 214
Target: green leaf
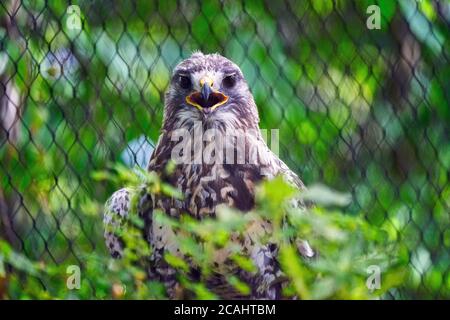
pixel 176 262
pixel 295 270
pixel 241 286
pixel 323 195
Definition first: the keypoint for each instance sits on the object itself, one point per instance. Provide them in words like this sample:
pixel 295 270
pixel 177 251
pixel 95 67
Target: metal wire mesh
pixel 364 111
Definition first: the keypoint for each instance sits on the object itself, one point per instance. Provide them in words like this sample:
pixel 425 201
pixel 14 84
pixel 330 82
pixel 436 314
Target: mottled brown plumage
pixel 208 93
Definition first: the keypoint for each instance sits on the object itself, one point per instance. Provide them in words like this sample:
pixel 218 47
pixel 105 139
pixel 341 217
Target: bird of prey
pixel 207 92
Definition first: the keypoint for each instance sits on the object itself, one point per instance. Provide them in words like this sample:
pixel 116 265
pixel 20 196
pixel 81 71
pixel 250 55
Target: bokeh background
pixel 363 111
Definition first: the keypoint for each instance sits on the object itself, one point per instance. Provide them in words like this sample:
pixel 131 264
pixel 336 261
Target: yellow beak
pixel 207 100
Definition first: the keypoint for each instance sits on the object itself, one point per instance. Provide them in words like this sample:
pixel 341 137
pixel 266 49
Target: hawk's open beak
pixel 207 99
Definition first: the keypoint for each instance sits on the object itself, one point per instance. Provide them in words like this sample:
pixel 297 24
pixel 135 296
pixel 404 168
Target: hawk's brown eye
pixel 229 81
pixel 185 82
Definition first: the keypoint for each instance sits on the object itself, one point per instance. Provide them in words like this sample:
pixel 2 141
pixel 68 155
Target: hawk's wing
pixel 115 212
pixel 292 179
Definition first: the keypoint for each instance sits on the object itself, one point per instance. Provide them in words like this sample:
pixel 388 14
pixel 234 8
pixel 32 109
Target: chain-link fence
pixel 361 104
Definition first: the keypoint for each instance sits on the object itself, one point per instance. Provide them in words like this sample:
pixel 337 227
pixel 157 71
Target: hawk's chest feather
pixel 204 186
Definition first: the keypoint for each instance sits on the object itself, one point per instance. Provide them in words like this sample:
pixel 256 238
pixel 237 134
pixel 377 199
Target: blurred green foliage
pixel 347 247
pixel 363 111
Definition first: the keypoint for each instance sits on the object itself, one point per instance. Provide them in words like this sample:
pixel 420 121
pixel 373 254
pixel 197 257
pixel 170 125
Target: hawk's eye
pixel 229 81
pixel 185 82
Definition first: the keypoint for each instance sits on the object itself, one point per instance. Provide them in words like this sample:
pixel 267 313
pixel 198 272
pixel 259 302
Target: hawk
pixel 207 94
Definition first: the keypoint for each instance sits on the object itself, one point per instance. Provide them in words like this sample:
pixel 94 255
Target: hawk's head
pixel 210 89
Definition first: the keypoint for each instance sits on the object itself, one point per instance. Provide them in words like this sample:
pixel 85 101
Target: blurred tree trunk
pixel 398 88
pixel 10 108
pixel 404 64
